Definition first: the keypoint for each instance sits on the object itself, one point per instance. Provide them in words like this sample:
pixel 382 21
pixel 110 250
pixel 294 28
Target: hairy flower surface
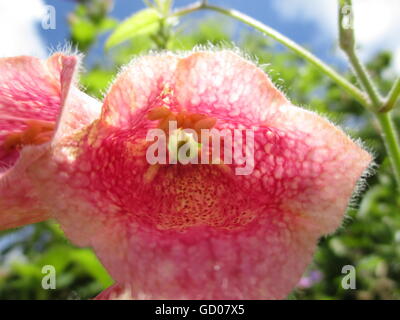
pixel 173 231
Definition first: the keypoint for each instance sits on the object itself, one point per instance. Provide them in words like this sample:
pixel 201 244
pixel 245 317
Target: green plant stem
pixel 377 103
pixel 307 55
pixel 365 79
pixel 391 141
pixel 392 97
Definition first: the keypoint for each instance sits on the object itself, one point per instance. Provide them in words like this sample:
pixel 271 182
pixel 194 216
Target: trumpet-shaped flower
pixel 174 230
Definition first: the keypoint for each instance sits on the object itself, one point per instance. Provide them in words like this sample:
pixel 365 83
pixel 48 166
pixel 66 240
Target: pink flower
pixel 173 231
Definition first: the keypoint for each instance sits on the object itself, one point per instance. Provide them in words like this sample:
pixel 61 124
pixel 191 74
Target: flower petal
pixel 33 90
pixel 325 161
pixel 224 85
pixel 263 261
pixel 321 167
pixel 78 109
pixel 28 90
pixel 19 204
pixel 140 82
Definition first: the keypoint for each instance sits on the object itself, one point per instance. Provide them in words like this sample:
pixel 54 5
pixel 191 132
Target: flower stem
pixel 348 45
pixel 301 51
pixel 392 97
pixel 377 104
pixel 365 80
pixel 391 141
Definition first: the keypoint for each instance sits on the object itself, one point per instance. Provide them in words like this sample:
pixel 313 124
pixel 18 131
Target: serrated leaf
pixel 143 22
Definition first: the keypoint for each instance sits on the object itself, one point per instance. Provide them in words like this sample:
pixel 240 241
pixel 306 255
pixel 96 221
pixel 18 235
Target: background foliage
pixel 370 236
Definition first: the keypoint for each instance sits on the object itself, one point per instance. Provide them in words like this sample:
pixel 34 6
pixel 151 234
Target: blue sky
pixel 266 11
pixel 309 22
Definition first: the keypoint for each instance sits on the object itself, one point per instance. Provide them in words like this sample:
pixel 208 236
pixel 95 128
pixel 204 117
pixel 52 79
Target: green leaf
pixel 143 22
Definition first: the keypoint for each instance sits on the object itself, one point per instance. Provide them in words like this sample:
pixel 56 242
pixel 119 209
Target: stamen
pixel 164 123
pixel 206 123
pixel 194 117
pixel 12 141
pixel 37 132
pixel 158 113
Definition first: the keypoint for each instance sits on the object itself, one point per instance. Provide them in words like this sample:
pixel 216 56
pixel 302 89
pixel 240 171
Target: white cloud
pixel 19 20
pixel 376 22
